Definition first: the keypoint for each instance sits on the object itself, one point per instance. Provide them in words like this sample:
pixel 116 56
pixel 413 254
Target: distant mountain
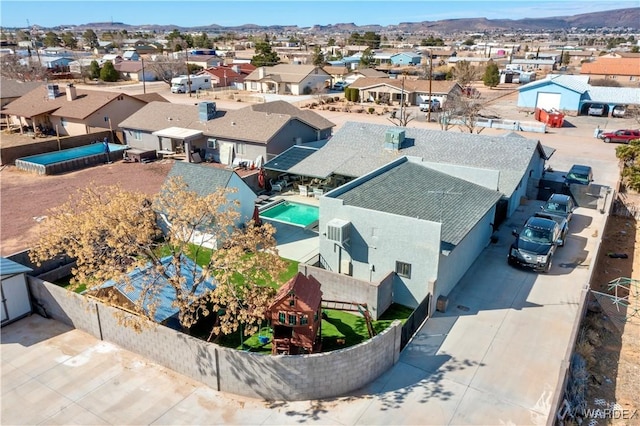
pixel 620 18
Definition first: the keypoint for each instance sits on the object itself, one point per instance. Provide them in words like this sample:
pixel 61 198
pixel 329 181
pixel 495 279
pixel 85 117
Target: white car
pixel 435 105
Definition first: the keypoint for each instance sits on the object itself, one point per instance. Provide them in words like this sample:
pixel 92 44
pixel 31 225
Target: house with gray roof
pixel 358 148
pixel 205 179
pixel 405 218
pixel 573 94
pixel 227 137
pixel 288 79
pixel 11 89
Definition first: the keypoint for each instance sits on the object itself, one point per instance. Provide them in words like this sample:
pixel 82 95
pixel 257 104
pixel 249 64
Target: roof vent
pixel 393 139
pixel 206 111
pixel 53 91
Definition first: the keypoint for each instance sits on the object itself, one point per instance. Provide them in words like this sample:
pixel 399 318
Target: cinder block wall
pixel 300 377
pixel 52 301
pixel 377 295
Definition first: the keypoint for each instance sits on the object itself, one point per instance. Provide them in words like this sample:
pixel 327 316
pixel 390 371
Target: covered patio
pixel 178 142
pixel 285 179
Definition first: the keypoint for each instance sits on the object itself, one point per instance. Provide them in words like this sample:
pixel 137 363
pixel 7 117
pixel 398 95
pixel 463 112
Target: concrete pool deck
pixel 294 242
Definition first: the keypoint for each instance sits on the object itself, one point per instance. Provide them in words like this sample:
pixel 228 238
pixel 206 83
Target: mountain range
pixel 619 18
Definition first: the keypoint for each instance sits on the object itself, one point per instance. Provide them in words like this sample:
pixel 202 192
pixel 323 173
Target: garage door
pixel 548 101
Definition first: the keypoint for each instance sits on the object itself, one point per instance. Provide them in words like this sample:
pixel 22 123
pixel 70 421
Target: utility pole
pixel 430 78
pixel 404 76
pixel 186 51
pixel 144 86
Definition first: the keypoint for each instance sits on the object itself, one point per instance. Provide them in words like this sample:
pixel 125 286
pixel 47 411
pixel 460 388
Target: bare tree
pixel 167 67
pixel 111 233
pixel 465 73
pixel 462 110
pixel 401 117
pixel 12 67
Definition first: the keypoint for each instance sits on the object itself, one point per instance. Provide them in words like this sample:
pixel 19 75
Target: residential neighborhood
pixel 347 224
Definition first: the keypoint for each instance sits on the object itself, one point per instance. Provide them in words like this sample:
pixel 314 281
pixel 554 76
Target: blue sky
pixel 302 13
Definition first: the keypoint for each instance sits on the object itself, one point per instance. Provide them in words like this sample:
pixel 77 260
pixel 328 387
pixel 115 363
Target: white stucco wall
pixel 380 239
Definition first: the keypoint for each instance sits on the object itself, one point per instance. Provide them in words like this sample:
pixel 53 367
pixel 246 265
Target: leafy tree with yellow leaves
pixel 111 232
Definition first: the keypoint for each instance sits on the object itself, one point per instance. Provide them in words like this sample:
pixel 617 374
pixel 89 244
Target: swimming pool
pixel 69 159
pixel 295 214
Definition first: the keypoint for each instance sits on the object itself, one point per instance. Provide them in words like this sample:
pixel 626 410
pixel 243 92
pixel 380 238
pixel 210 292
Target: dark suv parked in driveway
pixel 535 246
pixel 558 207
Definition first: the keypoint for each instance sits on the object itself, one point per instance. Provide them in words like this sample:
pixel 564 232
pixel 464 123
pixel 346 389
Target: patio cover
pixel 178 133
pixel 284 162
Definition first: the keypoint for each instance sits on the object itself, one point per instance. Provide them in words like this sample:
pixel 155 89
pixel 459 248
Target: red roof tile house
pixel 296 317
pixel 625 71
pixel 226 76
pixel 71 112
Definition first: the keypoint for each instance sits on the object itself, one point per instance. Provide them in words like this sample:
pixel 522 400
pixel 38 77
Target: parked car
pixel 579 174
pixel 596 109
pixel 620 136
pixel 340 85
pixel 559 207
pixel 535 246
pixel 435 106
pixel 619 111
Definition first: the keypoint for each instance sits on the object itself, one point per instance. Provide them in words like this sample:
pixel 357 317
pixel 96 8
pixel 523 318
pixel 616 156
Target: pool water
pixel 292 213
pixel 71 154
pixel 70 159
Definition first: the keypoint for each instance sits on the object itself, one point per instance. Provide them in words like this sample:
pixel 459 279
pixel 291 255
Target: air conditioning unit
pixel 339 230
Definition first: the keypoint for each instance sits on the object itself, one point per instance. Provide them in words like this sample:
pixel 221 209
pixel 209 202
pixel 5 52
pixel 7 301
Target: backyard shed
pixel 16 302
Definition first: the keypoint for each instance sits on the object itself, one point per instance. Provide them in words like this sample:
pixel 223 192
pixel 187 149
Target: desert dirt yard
pixel 611 345
pixel 27 197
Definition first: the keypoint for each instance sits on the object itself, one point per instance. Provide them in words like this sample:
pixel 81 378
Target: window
pixel 315 316
pixel 281 317
pixel 292 319
pixel 304 320
pixel 212 143
pixel 137 135
pixel 403 269
pixel 63 122
pixel 254 85
pixel 292 302
pixel 241 149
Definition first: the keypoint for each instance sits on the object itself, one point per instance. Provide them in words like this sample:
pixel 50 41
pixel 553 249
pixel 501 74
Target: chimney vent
pixel 206 111
pixel 71 92
pixel 393 139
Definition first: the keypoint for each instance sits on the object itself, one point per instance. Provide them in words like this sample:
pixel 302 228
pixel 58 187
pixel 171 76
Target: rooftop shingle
pixel 358 148
pixel 414 190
